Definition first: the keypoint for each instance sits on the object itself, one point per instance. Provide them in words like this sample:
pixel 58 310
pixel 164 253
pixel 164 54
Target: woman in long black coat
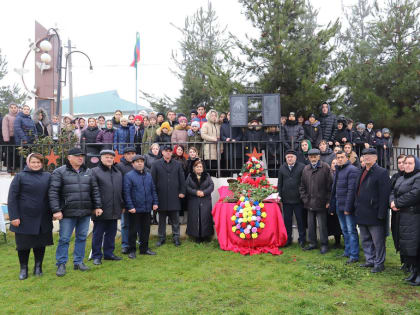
pixel 199 189
pixel 405 198
pixel 30 214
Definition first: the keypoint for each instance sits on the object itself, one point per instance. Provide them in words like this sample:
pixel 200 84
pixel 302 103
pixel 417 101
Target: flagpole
pixel 136 91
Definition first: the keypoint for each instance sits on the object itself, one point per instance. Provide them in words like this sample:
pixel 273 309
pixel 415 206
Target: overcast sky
pixel 106 31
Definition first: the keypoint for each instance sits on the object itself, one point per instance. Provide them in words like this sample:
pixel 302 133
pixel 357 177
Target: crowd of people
pixel 209 132
pixel 334 179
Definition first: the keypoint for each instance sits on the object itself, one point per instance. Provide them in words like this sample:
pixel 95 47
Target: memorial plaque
pixel 238 111
pixel 271 110
pixel 46 105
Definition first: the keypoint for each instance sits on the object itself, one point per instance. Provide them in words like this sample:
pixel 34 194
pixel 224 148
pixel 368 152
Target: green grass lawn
pixel 202 279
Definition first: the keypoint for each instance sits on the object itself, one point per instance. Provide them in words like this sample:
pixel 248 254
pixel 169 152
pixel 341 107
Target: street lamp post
pixel 44 45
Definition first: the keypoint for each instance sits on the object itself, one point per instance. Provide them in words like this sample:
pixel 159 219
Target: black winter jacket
pixel 406 195
pixel 169 180
pixel 109 181
pixel 254 135
pixel 233 133
pixel 313 132
pixel 371 203
pixel 124 166
pixel 328 125
pixel 73 193
pixel 289 182
pixel 293 132
pixel 200 219
pixel 28 201
pixel 150 158
pixel 327 156
pixel 89 135
pixel 272 146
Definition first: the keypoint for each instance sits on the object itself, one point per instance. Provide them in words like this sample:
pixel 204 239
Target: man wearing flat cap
pixel 73 195
pixel 169 179
pixel 109 180
pixel 140 198
pixel 124 167
pixel 371 210
pixel 290 174
pixel 315 191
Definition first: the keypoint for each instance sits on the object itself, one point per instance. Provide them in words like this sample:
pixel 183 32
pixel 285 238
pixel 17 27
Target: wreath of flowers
pixel 248 218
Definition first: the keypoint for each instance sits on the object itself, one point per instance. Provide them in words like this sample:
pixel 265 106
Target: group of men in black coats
pixel 356 197
pixel 112 190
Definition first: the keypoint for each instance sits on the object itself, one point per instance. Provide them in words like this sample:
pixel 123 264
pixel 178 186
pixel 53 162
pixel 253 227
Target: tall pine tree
pixel 381 64
pixel 292 55
pixel 202 65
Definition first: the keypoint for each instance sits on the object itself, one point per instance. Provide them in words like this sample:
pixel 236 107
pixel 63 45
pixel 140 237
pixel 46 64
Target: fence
pixel 222 158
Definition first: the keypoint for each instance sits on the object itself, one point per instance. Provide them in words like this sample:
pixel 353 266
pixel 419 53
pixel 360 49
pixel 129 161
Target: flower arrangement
pixel 248 218
pixel 249 191
pixel 253 167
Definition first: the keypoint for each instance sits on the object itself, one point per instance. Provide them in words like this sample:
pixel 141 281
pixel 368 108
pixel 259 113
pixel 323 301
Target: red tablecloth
pixel 272 237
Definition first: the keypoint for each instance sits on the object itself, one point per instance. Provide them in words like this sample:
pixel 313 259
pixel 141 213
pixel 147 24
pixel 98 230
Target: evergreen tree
pixel 8 93
pixel 202 65
pixel 381 62
pixel 293 54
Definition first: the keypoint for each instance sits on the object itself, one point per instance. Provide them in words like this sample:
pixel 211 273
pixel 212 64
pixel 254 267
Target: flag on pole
pixel 136 51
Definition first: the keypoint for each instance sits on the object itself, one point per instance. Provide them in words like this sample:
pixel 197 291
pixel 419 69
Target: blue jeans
pixel 124 230
pixel 67 225
pixel 351 237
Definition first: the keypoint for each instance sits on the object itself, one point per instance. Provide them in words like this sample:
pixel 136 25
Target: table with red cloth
pixel 272 237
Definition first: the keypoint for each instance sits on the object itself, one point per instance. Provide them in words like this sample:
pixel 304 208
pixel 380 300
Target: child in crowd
pixel 106 136
pixel 149 133
pixel 136 133
pixel 386 134
pixel 194 135
pixel 180 134
pixel 163 134
pixel 55 128
pixel 192 157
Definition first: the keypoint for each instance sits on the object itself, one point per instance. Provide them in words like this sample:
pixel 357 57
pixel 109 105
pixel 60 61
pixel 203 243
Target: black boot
pixel 416 281
pixel 23 272
pixel 413 275
pixel 38 268
pixel 406 267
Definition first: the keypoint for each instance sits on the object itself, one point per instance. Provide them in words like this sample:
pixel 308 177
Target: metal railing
pixel 222 158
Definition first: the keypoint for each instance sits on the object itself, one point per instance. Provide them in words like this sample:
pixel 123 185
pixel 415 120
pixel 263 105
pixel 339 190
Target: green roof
pixel 100 103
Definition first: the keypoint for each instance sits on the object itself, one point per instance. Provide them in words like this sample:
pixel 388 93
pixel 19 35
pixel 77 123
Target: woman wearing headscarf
pixel 395 216
pixel 405 199
pixel 199 189
pixel 30 213
pixel 302 154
